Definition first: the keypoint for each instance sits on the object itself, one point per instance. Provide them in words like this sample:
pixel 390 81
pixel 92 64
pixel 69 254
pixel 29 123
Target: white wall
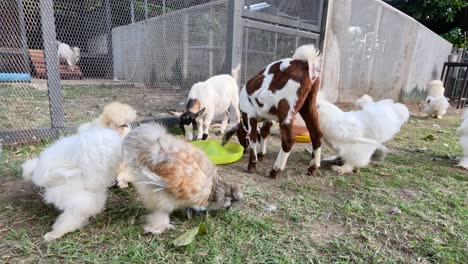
pixel 373 48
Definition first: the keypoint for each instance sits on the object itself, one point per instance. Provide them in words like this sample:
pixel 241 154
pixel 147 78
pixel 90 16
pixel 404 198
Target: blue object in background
pixel 10 77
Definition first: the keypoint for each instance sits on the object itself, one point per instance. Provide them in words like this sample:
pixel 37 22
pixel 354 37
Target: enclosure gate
pixel 146 53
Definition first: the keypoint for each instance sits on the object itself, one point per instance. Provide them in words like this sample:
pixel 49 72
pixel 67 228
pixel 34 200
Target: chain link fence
pixel 61 61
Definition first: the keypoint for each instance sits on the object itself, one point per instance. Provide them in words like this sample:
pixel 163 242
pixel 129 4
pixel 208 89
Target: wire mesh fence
pixel 61 61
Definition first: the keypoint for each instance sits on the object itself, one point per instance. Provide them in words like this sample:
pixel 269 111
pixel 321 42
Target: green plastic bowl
pixel 231 152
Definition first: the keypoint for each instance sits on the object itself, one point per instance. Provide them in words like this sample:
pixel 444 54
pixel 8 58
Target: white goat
pixel 71 55
pixel 207 99
pixel 463 132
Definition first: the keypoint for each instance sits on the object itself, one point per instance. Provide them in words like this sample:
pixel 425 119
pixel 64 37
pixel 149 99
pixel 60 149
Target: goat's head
pixel 188 122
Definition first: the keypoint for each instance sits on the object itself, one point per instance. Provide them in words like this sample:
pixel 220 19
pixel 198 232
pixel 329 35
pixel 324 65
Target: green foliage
pixel 456 37
pixel 430 10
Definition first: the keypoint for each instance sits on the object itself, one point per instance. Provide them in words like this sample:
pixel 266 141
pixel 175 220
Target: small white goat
pixel 463 132
pixel 71 55
pixel 207 99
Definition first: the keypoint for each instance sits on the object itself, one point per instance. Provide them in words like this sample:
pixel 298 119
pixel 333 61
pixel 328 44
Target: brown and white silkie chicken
pixel 172 174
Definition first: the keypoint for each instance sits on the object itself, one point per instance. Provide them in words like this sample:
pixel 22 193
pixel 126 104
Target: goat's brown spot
pixel 265 130
pixel 297 71
pixel 255 83
pixel 274 68
pixel 273 111
pixel 193 105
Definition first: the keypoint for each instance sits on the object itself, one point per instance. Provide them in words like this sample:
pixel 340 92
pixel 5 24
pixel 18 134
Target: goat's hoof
pixel 259 156
pixel 312 170
pixel 251 168
pixel 274 173
pixel 218 133
pixel 205 136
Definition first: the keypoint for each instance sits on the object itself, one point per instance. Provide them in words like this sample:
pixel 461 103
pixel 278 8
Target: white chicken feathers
pixel 356 135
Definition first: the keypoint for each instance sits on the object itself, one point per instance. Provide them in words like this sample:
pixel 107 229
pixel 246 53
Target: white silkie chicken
pixel 463 132
pixel 356 135
pixel 75 173
pixel 172 174
pixel 360 102
pixel 436 104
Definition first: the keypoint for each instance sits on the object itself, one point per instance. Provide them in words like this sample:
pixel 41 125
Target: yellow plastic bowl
pixel 303 138
pixel 231 152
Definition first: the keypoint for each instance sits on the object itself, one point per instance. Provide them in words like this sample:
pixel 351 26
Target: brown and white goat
pixel 278 92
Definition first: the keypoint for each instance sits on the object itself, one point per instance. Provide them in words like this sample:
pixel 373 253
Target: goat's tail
pixel 235 72
pixel 229 133
pixel 308 53
pixel 28 168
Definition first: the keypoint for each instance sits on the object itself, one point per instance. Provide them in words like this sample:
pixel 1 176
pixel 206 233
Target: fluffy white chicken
pixel 118 117
pixel 356 135
pixel 75 173
pixel 436 106
pixel 463 132
pixel 436 88
pixel 172 174
pixel 360 102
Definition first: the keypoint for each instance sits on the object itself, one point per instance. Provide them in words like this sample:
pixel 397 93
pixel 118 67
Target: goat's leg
pixel 309 113
pixel 287 141
pixel 235 105
pixel 287 137
pixel 252 130
pixel 224 122
pixel 200 129
pixel 206 124
pixel 264 133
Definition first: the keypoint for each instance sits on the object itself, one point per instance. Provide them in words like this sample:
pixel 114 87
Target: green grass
pixel 327 218
pixel 23 107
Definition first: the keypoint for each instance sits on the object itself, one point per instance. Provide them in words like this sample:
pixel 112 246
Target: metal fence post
pixel 185 40
pixel 49 35
pixel 24 40
pixel 235 31
pixel 110 51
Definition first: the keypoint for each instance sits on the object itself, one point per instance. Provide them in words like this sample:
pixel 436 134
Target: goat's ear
pixel 200 113
pixel 174 113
